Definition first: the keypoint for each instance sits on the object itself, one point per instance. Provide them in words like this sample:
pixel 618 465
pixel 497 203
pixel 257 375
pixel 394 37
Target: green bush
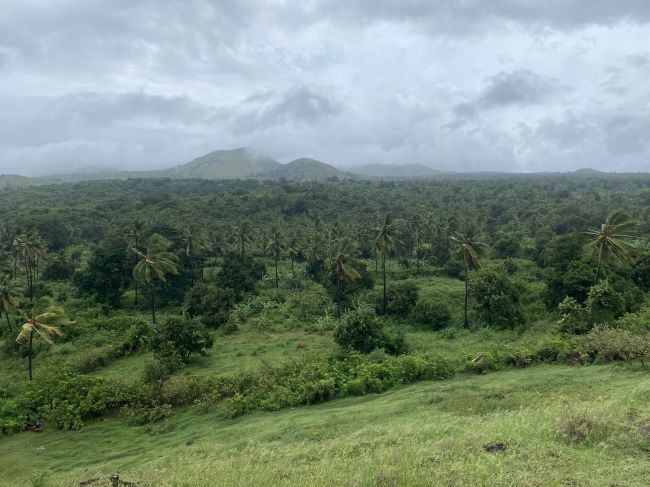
pixel 93 358
pixel 362 331
pixel 176 338
pixel 429 315
pixel 210 303
pixel 603 305
pixel 496 299
pixel 400 298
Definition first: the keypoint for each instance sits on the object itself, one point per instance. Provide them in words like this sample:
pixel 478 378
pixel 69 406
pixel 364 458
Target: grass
pixel 560 426
pixel 424 434
pixel 248 348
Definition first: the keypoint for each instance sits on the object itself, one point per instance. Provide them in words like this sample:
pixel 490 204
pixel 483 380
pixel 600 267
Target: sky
pixel 465 85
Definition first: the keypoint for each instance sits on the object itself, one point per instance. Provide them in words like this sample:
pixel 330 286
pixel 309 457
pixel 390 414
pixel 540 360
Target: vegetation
pixel 267 298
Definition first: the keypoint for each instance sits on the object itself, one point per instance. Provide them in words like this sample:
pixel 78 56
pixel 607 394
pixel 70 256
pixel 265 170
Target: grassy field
pixel 563 426
pixel 550 425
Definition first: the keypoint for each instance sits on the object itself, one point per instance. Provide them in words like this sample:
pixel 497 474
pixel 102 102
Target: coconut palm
pixel 342 252
pixel 417 227
pixel 613 238
pixel 194 245
pixel 218 244
pixel 154 263
pixel 274 247
pixel 8 298
pixel 293 251
pixel 472 251
pixel 31 247
pixel 133 236
pixel 244 238
pixel 385 243
pixel 45 320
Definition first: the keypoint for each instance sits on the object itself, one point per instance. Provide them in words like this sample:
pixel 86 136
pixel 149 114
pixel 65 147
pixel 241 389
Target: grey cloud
pixel 609 139
pixel 515 88
pixel 519 87
pixel 39 120
pixel 638 59
pixel 456 17
pixel 154 83
pixel 264 110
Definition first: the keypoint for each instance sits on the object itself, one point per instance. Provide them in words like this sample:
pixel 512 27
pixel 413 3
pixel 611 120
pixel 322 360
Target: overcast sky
pixel 518 85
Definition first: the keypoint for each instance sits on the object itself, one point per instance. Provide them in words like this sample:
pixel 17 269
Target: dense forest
pixel 132 300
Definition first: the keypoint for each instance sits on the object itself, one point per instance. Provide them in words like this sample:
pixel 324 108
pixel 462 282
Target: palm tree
pixel 153 264
pixel 45 319
pixel 384 243
pixel 244 238
pixel 342 253
pixel 133 238
pixel 417 226
pixel 274 248
pixel 218 245
pixel 613 238
pixel 293 251
pixel 8 298
pixel 194 245
pixel 472 251
pixel 33 250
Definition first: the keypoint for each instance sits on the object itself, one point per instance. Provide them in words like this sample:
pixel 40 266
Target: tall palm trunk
pixel 417 258
pixel 29 356
pixel 383 267
pixel 11 330
pixel 600 262
pixel 153 305
pixel 276 274
pixel 338 296
pixel 466 294
pixel 293 272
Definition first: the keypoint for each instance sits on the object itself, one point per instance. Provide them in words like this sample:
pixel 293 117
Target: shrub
pixel 611 344
pixel 574 317
pixel 603 305
pixel 431 316
pixel 176 338
pixel 360 330
pixel 482 363
pixel 579 427
pixel 496 299
pixel 93 358
pixel 400 298
pixel 240 275
pixel 210 303
pixel 638 322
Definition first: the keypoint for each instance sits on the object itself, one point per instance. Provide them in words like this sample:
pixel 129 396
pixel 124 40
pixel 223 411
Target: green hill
pixel 394 171
pixel 306 169
pixel 13 181
pixel 239 163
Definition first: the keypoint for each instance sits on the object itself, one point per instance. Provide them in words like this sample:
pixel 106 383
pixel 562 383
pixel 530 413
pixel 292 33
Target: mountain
pixel 587 171
pixel 306 169
pixel 13 181
pixel 394 171
pixel 242 163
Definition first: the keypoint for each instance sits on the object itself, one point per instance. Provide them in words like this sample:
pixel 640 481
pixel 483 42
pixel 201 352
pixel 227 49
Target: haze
pixel 466 85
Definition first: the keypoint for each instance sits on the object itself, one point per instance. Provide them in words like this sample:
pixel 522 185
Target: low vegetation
pixel 508 332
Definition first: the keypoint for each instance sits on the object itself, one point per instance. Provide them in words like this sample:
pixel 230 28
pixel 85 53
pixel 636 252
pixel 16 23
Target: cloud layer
pixel 471 85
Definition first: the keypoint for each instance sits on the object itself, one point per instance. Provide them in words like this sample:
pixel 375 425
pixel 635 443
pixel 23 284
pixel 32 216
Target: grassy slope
pixel 425 434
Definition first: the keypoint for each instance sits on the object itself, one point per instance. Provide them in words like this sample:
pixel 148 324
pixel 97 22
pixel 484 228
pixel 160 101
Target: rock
pixel 495 448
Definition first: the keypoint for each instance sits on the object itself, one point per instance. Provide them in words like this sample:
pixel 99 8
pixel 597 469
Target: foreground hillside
pixel 577 426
